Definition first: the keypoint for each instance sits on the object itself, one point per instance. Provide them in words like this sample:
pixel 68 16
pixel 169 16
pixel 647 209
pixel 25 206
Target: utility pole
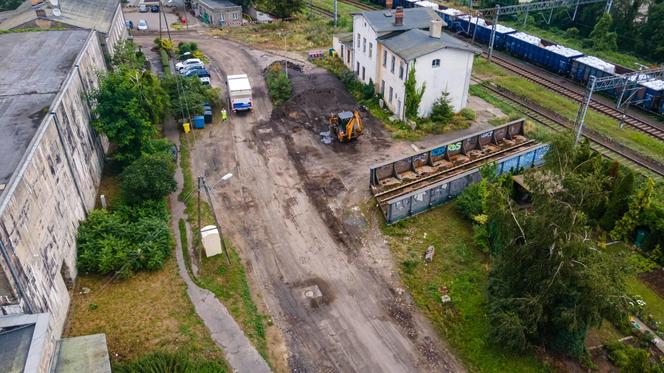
pixel 199 220
pixel 581 116
pixel 493 32
pixel 335 13
pixel 160 10
pixel 216 220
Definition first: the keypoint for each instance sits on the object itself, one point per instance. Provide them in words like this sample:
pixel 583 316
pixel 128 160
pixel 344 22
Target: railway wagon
pixel 451 18
pixel 395 3
pixel 586 66
pixel 653 97
pixel 553 57
pixel 482 31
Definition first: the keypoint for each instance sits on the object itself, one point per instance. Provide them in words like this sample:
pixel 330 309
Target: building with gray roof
pixel 50 171
pixel 414 43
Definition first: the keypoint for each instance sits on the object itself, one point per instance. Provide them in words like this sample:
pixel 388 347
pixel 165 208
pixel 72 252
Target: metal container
pixel 198 121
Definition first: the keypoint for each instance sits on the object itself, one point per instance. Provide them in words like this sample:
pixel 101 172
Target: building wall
pixel 361 54
pixel 452 76
pixel 230 16
pixel 343 52
pixel 50 193
pixel 392 80
pixel 117 31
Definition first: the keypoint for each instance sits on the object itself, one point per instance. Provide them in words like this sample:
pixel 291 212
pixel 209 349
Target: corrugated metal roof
pixel 415 43
pixel 219 4
pixel 412 18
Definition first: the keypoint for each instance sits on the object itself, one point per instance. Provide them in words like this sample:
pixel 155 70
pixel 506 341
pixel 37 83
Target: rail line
pixel 630 120
pixel 361 5
pixel 607 148
pixel 321 11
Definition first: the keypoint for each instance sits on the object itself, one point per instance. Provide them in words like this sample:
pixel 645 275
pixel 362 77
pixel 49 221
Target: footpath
pixel 238 350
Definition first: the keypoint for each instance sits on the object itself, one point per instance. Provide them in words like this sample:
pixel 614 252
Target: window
pixel 392 65
pixel 364 45
pixel 435 63
pixel 382 88
pixel 384 58
pixel 348 57
pixel 370 49
pixel 391 94
pixel 342 51
pixel 358 41
pixel 363 72
pixel 401 70
pixel 235 17
pixel 357 71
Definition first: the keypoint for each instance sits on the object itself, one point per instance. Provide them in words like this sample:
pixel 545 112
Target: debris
pixel 428 255
pixel 85 290
pixel 415 148
pixel 326 137
pixel 445 299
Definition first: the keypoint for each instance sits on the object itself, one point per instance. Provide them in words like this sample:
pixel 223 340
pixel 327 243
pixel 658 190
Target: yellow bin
pixel 186 127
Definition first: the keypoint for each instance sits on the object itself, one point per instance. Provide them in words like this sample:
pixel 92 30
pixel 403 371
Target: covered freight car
pixel 553 57
pixel 653 97
pixel 481 31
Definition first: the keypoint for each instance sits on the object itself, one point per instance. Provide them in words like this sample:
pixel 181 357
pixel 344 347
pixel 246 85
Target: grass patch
pixel 558 36
pixel 146 313
pixel 301 34
pixel 228 283
pixel 460 267
pixel 567 108
pixel 654 304
pixel 344 11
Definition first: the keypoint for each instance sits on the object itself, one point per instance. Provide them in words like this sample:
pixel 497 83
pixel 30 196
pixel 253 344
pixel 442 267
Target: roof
pixel 345 38
pixel 415 43
pixel 413 18
pixel 86 14
pixel 83 354
pixel 22 338
pixel 34 66
pixel 218 4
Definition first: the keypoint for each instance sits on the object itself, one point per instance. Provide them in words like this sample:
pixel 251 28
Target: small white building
pixel 387 44
pixel 343 45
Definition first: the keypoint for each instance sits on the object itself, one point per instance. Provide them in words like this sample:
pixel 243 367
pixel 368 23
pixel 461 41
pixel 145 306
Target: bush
pixel 108 242
pixel 368 90
pixel 631 359
pixel 472 201
pixel 151 177
pixel 184 47
pixel 164 61
pixel 279 86
pixel 571 33
pixel 468 114
pixel 442 111
pixel 168 362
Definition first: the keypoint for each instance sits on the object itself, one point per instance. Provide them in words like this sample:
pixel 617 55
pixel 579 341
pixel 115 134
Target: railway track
pixel 361 5
pixel 321 11
pixel 630 120
pixel 601 145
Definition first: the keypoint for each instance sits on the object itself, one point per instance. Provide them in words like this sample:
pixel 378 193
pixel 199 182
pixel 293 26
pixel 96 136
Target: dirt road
pixel 292 209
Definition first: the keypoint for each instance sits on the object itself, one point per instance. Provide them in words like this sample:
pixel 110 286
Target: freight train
pixel 550 56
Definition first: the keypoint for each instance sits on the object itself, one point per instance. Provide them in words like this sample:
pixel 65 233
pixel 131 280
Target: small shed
pixel 217 12
pixel 211 240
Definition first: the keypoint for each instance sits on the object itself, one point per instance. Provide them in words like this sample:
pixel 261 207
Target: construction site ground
pixel 294 209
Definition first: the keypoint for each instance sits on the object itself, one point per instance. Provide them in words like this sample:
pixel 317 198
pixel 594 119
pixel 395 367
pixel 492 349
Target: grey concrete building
pixel 51 168
pixel 217 12
pixel 104 16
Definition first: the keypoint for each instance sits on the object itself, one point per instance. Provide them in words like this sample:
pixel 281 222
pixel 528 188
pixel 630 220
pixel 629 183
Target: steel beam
pixel 538 6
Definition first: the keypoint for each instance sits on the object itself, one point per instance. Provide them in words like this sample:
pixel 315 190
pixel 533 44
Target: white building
pixel 387 44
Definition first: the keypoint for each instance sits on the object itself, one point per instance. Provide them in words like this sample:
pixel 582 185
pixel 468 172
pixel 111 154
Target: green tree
pixel 618 201
pixel 127 55
pixel 9 4
pixel 652 32
pixel 442 111
pixel 151 177
pixel 279 86
pixel 187 95
pixel 602 37
pixel 368 90
pixel 625 227
pixel 128 103
pixel 282 8
pixel 413 95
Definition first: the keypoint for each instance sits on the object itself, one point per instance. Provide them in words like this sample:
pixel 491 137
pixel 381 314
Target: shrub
pixel 442 111
pixel 472 201
pixel 571 33
pixel 108 242
pixel 168 362
pixel 151 177
pixel 279 86
pixel 164 61
pixel 368 90
pixel 468 114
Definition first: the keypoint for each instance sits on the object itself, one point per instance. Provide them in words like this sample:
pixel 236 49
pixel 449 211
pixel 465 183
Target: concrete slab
pixel 83 354
pixel 34 66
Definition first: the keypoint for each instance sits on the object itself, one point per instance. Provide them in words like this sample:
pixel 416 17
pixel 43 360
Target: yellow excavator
pixel 346 125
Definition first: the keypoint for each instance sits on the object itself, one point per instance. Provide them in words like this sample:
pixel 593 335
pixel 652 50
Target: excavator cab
pixel 346 125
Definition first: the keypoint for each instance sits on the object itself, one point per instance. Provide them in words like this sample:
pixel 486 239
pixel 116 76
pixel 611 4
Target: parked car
pixel 154 9
pixel 143 8
pixel 188 68
pixel 191 61
pixel 205 80
pixel 197 72
pixel 130 25
pixel 142 25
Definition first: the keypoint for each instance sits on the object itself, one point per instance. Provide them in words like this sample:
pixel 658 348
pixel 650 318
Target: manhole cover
pixel 312 292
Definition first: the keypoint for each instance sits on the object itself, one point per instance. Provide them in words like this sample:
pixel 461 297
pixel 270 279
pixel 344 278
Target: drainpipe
pixel 5 255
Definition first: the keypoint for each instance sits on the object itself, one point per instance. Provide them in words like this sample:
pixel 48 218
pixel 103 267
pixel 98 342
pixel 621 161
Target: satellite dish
pixel 57 12
pixel 53 2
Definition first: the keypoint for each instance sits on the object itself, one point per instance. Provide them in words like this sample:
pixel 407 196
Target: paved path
pixel 239 352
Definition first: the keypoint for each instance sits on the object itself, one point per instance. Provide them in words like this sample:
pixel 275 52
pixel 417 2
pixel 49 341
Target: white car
pixel 142 25
pixel 190 61
pixel 193 66
pixel 205 80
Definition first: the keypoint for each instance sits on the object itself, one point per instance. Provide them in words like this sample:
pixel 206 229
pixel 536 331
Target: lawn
pixel 460 267
pixel 301 34
pixel 146 313
pixel 344 11
pixel 602 124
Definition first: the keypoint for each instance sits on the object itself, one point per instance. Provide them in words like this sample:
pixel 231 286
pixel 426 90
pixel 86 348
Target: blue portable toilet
pixel 199 121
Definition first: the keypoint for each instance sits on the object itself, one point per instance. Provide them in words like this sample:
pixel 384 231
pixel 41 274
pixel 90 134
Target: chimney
pixel 398 16
pixel 435 28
